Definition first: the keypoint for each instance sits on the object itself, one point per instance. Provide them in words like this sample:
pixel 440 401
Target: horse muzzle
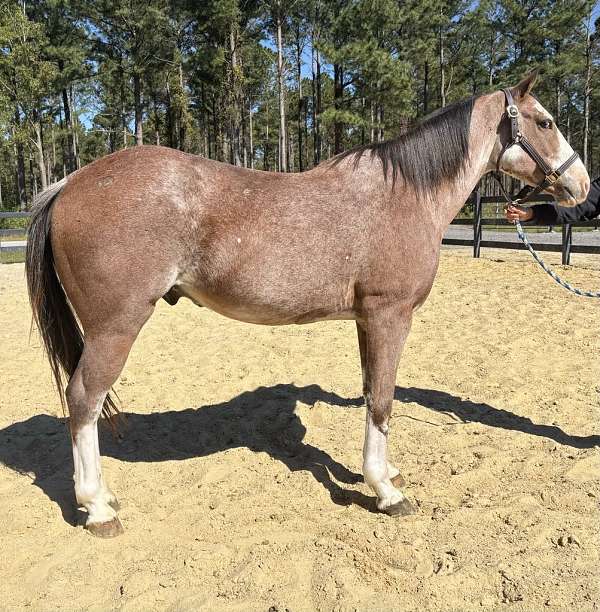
pixel 572 188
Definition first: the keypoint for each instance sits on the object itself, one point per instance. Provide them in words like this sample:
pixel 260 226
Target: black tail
pixel 52 313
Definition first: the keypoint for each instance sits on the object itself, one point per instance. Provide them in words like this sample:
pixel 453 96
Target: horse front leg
pixel 393 472
pixel 381 337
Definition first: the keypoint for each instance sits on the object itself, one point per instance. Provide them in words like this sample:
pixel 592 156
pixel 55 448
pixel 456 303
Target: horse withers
pixel 357 238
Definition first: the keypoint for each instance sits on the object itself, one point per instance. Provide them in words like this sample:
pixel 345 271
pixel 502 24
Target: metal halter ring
pixel 512 111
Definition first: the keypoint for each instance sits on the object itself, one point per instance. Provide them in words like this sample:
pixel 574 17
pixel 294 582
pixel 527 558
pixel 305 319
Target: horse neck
pixel 487 113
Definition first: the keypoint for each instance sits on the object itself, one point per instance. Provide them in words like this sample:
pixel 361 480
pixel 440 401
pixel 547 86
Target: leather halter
pixel 517 138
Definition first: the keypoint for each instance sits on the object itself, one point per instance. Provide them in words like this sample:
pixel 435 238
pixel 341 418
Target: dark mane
pixel 432 151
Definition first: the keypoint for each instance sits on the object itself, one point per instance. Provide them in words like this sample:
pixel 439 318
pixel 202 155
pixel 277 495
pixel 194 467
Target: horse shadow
pixel 262 420
pixel 475 412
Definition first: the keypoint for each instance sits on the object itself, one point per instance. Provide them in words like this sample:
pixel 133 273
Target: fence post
pixel 477 222
pixel 567 237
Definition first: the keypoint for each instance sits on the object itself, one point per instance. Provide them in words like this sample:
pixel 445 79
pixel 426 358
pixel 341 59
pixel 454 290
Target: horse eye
pixel 545 124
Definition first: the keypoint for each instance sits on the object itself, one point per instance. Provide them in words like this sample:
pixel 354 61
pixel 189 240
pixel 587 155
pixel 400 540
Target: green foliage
pixel 83 78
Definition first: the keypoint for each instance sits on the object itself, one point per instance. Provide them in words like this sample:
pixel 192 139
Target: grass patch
pixel 12 256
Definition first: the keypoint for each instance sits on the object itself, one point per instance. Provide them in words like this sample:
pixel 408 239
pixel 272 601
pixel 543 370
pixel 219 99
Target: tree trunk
pixel 426 89
pixel 372 121
pixel 182 110
pixel 558 102
pixel 20 155
pixel 363 105
pixel 586 95
pixel 204 123
pixel 220 137
pixel 70 158
pixel 266 152
pixel 170 124
pixel 251 135
pixel 316 98
pixel 63 145
pixel 39 145
pixel 283 164
pixel 338 101
pixel 235 100
pixel 492 58
pixel 74 132
pixel 156 119
pixel 244 136
pixel 137 105
pixel 32 180
pixel 300 100
pixel 123 112
pixel 442 72
pixel 53 166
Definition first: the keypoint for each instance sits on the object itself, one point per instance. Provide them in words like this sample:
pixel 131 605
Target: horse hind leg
pixel 101 362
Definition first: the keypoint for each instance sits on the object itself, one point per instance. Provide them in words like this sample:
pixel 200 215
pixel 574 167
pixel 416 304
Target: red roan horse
pixel 356 238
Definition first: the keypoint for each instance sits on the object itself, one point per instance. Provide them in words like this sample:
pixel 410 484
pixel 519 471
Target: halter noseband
pixel 517 138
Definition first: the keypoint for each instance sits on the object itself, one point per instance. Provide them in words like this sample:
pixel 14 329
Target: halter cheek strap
pixel 517 138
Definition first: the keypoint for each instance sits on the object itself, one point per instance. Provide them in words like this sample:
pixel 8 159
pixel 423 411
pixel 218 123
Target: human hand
pixel 518 213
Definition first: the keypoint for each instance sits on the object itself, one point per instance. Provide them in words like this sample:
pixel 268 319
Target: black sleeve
pixel 552 214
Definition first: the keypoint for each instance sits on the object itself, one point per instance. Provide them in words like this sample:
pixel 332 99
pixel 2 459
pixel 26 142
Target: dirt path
pixel 239 476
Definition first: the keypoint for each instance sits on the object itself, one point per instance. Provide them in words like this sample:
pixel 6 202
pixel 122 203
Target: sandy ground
pixel 239 475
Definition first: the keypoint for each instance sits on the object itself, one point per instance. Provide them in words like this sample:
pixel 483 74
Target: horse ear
pixel 526 84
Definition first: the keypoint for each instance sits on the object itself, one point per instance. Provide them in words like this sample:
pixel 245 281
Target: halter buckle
pixel 512 111
pixel 553 177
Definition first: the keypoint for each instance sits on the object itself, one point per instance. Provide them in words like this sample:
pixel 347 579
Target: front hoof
pixel 401 508
pixel 109 529
pixel 398 481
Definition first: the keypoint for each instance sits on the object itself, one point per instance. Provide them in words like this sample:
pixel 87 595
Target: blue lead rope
pixel 558 279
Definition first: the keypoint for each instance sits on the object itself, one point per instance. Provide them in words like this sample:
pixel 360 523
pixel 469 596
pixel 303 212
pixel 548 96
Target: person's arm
pixel 552 214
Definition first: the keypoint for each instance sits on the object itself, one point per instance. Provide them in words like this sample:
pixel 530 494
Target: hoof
pixel 110 529
pixel 401 508
pixel 114 504
pixel 398 481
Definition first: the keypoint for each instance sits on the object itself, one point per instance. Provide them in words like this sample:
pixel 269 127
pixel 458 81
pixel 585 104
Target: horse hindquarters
pixel 112 302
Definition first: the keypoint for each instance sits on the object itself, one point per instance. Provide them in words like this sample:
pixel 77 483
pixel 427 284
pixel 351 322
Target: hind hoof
pixel 110 529
pixel 401 508
pixel 398 481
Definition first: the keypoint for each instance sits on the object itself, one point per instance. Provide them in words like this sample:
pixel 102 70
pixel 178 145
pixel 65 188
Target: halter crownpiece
pixel 517 138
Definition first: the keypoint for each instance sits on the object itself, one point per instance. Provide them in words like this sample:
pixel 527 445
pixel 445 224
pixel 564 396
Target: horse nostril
pixel 587 185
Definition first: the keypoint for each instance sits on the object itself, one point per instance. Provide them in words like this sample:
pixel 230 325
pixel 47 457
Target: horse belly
pixel 277 309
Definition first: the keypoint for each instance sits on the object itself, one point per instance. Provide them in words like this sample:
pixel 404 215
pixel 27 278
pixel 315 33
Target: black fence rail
pixel 477 201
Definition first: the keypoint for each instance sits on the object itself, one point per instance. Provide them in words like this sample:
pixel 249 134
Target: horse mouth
pixel 570 199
